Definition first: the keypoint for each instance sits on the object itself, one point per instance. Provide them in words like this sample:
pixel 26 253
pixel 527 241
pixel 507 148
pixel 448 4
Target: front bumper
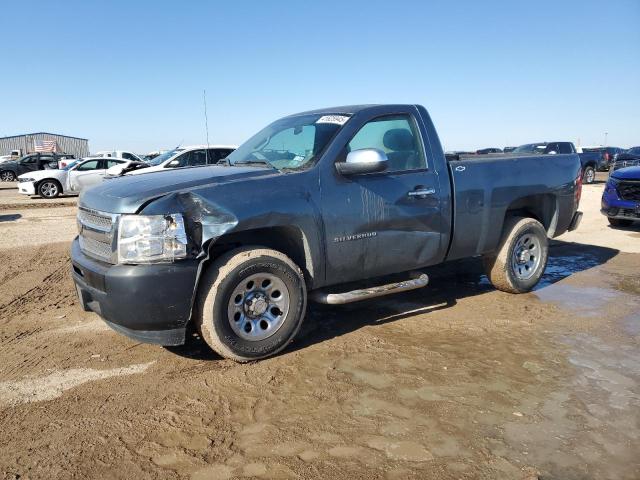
pixel 614 207
pixel 575 221
pixel 149 303
pixel 27 188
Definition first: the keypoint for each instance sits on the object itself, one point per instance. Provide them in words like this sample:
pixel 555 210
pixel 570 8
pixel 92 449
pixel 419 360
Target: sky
pixel 130 75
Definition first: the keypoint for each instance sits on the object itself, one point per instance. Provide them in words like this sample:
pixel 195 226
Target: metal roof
pixel 43 133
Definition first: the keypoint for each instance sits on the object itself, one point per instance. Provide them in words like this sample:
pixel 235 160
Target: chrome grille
pixel 95 248
pixel 629 190
pixel 97 234
pixel 95 220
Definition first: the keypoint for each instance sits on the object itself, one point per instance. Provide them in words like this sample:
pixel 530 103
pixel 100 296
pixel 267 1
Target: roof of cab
pixel 349 109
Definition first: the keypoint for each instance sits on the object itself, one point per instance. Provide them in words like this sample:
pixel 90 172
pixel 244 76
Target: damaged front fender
pixel 205 220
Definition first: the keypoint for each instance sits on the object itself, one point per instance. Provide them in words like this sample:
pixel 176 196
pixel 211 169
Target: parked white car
pixel 70 180
pixel 124 154
pixel 192 156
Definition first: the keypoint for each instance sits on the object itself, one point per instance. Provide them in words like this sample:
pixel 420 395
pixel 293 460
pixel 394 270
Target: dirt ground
pixel 454 381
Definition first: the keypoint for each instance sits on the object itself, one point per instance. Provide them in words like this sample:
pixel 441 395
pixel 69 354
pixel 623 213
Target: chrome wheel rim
pixel 49 189
pixel 6 176
pixel 590 176
pixel 526 256
pixel 258 306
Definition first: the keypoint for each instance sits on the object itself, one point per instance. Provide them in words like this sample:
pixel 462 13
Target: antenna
pixel 206 120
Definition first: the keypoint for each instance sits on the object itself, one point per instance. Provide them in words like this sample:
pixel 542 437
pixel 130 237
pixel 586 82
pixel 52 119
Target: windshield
pixel 165 156
pixel 70 165
pixel 292 143
pixel 529 148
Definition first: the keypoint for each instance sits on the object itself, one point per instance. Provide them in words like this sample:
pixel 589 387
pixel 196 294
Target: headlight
pixel 612 184
pixel 151 238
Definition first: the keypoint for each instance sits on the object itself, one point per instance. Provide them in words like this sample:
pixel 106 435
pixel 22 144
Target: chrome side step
pixel 366 293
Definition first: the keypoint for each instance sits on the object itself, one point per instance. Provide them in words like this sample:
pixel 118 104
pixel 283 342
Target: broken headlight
pixel 151 238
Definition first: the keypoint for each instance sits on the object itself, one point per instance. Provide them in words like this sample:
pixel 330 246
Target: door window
pixel 183 160
pixel 197 158
pixel 90 165
pixel 112 163
pixel 397 137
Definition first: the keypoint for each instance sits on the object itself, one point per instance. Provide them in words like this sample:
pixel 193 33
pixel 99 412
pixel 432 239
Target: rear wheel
pixel 619 222
pixel 251 303
pixel 589 175
pixel 521 258
pixel 49 189
pixel 7 176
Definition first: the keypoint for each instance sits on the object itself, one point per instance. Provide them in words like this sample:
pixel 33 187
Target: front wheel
pixel 589 175
pixel 521 258
pixel 7 176
pixel 49 189
pixel 251 303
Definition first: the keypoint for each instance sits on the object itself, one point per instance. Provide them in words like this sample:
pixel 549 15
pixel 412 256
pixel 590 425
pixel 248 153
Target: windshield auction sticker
pixel 335 119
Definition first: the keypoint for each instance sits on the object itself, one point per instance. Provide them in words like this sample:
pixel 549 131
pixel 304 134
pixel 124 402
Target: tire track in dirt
pixel 37 280
pixel 35 285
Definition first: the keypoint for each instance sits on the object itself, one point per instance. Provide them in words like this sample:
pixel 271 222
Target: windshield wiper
pixel 254 162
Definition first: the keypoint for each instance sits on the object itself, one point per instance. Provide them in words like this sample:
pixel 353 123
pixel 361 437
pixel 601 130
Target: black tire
pixel 620 222
pixel 589 175
pixel 504 269
pixel 222 281
pixel 49 188
pixel 7 176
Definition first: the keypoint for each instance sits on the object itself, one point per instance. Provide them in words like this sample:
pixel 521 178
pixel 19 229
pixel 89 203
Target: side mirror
pixel 173 164
pixel 366 160
pixel 552 152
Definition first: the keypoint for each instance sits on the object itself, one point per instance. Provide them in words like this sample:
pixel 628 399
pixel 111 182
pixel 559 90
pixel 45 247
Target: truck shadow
pixel 10 217
pixel 448 283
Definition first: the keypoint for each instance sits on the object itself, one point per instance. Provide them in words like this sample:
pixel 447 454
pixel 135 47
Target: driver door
pixel 28 164
pixel 387 222
pixel 87 174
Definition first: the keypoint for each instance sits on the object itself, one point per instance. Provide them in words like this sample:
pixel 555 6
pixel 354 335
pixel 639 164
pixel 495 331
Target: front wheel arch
pixel 217 280
pixel 45 180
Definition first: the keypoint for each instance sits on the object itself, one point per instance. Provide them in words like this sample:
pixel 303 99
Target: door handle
pixel 422 193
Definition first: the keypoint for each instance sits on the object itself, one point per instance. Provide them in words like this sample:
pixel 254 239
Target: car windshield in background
pixel 292 143
pixel 69 166
pixel 634 151
pixel 530 148
pixel 165 156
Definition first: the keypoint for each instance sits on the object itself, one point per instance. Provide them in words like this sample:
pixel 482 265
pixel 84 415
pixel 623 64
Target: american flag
pixel 45 146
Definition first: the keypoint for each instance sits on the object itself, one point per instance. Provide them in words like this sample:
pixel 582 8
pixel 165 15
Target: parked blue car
pixel 621 197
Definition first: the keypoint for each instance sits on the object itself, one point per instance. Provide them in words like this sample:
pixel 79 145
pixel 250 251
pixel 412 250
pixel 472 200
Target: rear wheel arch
pixel 521 257
pixel 4 173
pixel 544 208
pixel 589 173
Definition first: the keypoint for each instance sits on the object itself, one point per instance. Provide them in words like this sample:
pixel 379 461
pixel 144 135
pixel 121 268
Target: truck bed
pixel 485 188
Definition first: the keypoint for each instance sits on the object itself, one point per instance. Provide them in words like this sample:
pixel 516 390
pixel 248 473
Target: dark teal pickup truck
pixel 309 205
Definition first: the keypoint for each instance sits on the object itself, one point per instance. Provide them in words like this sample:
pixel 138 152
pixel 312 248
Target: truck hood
pixel 627 173
pixel 127 194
